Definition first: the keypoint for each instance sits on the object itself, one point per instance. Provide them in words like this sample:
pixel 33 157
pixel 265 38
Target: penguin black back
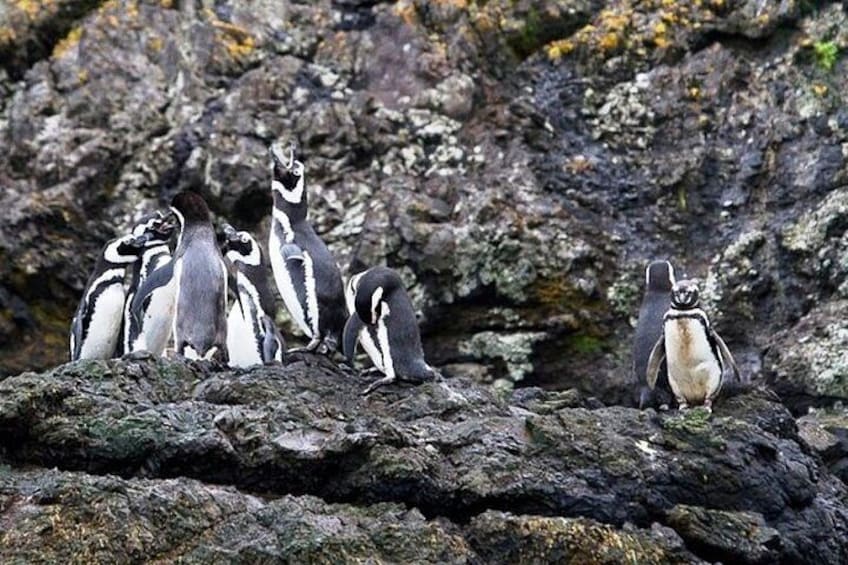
pixel 659 279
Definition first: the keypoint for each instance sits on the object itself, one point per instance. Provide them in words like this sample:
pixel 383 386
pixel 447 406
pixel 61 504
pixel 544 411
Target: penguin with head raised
pixel 200 278
pixel 151 329
pixel 252 336
pixel 383 308
pixel 695 354
pixel 96 327
pixel 659 278
pixel 306 274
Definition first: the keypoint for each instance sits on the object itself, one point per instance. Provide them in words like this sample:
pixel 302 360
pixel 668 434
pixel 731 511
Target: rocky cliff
pixel 162 460
pixel 518 162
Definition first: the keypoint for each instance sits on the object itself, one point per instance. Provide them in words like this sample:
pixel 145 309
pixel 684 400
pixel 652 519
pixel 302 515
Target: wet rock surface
pixel 543 476
pixel 518 162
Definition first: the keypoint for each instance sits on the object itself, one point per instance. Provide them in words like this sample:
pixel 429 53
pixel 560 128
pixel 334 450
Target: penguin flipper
pixel 654 362
pixel 76 331
pixel 727 356
pixel 272 342
pixel 351 336
pixel 158 278
pixel 292 252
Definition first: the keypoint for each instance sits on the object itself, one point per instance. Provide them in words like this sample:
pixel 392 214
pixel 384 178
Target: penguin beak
pixel 230 232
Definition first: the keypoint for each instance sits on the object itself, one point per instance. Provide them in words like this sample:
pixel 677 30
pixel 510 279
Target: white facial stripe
pixel 112 255
pixel 375 303
pixel 350 294
pixel 293 196
pixel 181 220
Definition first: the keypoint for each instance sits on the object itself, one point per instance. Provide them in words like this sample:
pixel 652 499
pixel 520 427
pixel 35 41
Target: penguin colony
pixel 141 296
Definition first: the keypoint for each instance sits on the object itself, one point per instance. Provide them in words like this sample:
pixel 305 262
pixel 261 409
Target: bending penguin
pixel 382 309
pixel 659 278
pixel 695 353
pixel 200 278
pixel 96 327
pixel 305 272
pixel 150 330
pixel 252 336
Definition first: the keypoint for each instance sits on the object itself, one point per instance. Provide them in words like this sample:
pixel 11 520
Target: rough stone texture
pixel 518 162
pixel 826 431
pixel 451 450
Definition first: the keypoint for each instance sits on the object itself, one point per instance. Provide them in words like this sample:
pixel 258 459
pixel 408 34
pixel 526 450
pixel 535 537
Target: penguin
pixel 695 353
pixel 201 280
pixel 307 276
pixel 659 278
pixel 383 307
pixel 252 336
pixel 357 332
pixel 96 326
pixel 151 329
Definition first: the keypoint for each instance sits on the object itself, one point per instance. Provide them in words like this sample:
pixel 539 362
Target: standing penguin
pixel 305 272
pixel 96 327
pixel 382 305
pixel 695 353
pixel 200 278
pixel 252 336
pixel 151 328
pixel 659 278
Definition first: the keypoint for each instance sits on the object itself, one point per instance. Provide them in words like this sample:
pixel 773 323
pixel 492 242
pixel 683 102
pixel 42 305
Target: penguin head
pixel 685 295
pixel 240 246
pixel 659 276
pixel 373 289
pixel 287 175
pixel 189 208
pixel 157 225
pixel 126 249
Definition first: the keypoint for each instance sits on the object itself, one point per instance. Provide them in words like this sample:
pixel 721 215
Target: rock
pixel 518 162
pixel 807 364
pixel 826 432
pixel 502 538
pixel 64 516
pixel 738 537
pixel 452 450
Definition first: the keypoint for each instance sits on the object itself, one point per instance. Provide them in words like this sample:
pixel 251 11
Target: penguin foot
pixel 377 384
pixel 139 355
pixel 370 372
pixel 708 405
pixel 682 406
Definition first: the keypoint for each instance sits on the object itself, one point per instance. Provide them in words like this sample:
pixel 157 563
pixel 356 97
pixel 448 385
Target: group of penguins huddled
pixel 181 297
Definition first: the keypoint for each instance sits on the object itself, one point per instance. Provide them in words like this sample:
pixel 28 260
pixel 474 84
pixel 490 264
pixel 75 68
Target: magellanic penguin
pixel 306 274
pixel 695 353
pixel 96 327
pixel 357 332
pixel 659 278
pixel 383 307
pixel 252 336
pixel 151 328
pixel 200 277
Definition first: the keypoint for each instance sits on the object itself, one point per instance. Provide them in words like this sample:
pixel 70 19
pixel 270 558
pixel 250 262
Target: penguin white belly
pixel 388 367
pixel 159 319
pixel 285 285
pixel 242 345
pixel 371 349
pixel 104 328
pixel 693 370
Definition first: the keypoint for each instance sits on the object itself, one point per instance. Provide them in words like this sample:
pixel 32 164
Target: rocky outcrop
pixel 517 162
pixel 532 476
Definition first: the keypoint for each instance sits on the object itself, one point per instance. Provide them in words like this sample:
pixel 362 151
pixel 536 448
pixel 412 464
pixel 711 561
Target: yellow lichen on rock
pixel 68 42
